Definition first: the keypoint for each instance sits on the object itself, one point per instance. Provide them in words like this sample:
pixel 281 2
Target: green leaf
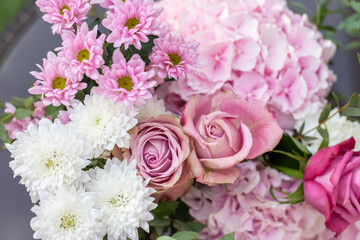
pixel 195 226
pixel 16 104
pixel 351 22
pixel 53 111
pixel 96 162
pixel 298 192
pixel 293 156
pixel 301 130
pixel 166 238
pixel 355 5
pixel 230 236
pixel 351 112
pixel 182 213
pixel 290 172
pixel 160 222
pixel 2 105
pixel 337 99
pixel 354 99
pixel 325 113
pixel 80 96
pixel 6 117
pixel 358 54
pixel 301 7
pixel 299 145
pixel 94 23
pixel 325 137
pixel 29 101
pixel 3 135
pixel 186 235
pixel 165 209
pixel 352 45
pixel 188 226
pixel 22 113
pixel 345 3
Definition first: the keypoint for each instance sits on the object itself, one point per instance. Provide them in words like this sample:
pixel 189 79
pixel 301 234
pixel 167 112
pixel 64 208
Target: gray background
pixel 27 50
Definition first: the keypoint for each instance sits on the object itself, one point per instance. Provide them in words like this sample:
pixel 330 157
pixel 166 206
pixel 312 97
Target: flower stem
pixel 324 121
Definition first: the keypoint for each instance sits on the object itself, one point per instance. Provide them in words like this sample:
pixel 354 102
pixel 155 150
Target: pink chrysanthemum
pixel 54 86
pixel 126 82
pixel 83 51
pixel 63 13
pixel 131 22
pixel 172 57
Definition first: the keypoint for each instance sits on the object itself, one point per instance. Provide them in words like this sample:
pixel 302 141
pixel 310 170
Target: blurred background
pixel 24 41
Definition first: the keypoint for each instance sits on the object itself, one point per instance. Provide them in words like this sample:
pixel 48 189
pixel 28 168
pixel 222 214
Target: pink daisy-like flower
pixel 83 51
pixel 126 82
pixel 173 57
pixel 131 22
pixel 54 86
pixel 63 13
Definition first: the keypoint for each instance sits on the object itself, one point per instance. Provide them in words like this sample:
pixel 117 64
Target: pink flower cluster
pixel 61 75
pixel 20 125
pixel 247 208
pixel 258 49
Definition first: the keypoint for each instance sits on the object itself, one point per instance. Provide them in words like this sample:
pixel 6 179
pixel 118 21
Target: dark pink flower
pixel 332 184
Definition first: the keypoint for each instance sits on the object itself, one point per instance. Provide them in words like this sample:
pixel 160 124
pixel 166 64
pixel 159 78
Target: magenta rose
pixel 332 184
pixel 161 150
pixel 226 130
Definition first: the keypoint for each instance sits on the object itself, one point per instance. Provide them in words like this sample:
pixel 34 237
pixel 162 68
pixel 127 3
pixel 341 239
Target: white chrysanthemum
pixel 49 156
pixel 67 215
pixel 123 197
pixel 153 108
pixel 102 123
pixel 339 128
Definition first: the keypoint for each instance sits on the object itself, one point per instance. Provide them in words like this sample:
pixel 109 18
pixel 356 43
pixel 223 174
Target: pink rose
pixel 227 130
pixel 161 149
pixel 332 184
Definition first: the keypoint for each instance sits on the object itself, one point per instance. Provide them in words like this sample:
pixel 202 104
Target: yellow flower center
pixel 126 83
pixel 83 54
pixel 174 58
pixel 59 83
pixel 132 22
pixel 119 200
pixel 63 8
pixel 68 222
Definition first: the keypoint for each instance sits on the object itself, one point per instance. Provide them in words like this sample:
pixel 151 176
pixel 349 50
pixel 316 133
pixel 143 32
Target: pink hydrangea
pixel 82 51
pixel 248 209
pixel 172 57
pixel 254 40
pixel 131 22
pixel 63 14
pixel 126 82
pixel 53 84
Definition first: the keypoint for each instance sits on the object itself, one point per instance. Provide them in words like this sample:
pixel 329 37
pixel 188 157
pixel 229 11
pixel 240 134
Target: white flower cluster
pixel 339 129
pixel 76 204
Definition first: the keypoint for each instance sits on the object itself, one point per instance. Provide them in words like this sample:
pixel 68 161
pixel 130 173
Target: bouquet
pixel 186 120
